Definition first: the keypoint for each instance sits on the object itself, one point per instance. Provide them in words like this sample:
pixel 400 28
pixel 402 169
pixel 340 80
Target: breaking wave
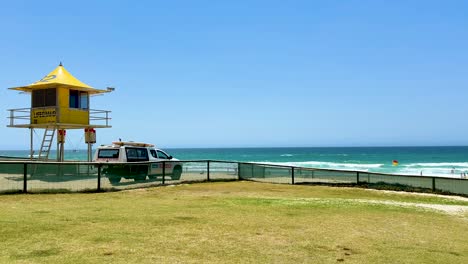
pixel 441 164
pixel 445 169
pixel 331 165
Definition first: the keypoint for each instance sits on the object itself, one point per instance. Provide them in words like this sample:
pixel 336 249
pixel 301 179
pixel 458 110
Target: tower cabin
pixel 59 102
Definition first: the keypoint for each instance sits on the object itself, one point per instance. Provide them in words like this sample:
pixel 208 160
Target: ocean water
pixel 428 161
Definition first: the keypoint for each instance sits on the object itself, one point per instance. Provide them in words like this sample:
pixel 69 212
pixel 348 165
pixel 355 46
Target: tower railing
pixel 99 116
pixel 21 117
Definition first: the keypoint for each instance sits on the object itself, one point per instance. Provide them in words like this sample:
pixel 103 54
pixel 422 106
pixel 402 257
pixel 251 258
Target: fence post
pixel 357 177
pixel 292 175
pixel 239 177
pixel 164 172
pixel 433 184
pixel 99 177
pixel 25 178
pixel 208 170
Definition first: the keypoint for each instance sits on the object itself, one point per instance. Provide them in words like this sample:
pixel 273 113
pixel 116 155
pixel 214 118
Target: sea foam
pixel 440 164
pixel 330 165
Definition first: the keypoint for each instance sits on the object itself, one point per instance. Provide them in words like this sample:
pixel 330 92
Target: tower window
pixel 84 100
pixel 44 97
pixel 79 99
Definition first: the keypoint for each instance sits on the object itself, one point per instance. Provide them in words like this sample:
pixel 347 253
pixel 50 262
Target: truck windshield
pixel 108 153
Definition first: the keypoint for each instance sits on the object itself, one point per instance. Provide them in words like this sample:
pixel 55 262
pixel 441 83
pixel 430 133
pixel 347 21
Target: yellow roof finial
pixel 60 64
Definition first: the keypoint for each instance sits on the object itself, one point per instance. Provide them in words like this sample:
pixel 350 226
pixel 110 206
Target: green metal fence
pixel 31 176
pixel 300 175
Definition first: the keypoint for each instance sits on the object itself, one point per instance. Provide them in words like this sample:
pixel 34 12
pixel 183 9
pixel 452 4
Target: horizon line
pixel 272 147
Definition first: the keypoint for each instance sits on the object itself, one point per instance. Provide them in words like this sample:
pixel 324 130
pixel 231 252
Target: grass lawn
pixel 234 222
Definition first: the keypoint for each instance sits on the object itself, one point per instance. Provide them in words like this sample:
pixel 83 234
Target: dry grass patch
pixel 232 222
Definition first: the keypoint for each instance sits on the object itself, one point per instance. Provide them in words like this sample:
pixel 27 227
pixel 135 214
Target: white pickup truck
pixel 125 154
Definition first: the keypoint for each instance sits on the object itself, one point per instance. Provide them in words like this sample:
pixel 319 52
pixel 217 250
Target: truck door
pixel 156 168
pixel 137 155
pixel 164 157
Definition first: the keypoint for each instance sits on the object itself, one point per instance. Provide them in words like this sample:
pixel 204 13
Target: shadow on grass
pixel 127 186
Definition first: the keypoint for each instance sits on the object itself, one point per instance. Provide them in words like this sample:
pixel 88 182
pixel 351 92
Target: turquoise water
pixel 430 161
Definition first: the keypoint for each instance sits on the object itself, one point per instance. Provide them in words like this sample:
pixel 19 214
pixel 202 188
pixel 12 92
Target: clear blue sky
pixel 250 73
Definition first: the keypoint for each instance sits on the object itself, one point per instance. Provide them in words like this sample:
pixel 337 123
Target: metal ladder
pixel 49 134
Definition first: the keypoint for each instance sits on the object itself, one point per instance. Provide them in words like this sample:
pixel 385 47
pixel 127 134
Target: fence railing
pixel 34 176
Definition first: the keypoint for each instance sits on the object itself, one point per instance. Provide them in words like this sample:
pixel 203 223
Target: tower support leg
pixel 90 150
pixel 31 148
pixel 58 146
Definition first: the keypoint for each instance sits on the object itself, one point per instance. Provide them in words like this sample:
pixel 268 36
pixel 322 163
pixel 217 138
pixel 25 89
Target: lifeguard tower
pixel 59 102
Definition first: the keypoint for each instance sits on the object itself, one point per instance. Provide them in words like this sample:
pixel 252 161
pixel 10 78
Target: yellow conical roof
pixel 59 77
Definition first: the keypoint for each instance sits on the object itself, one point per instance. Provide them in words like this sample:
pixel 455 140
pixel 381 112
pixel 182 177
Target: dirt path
pixel 449 209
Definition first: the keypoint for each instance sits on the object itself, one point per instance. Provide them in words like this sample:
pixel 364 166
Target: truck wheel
pixel 176 173
pixel 142 171
pixel 140 177
pixel 114 180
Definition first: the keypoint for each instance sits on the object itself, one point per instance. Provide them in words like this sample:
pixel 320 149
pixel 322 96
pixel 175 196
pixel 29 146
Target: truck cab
pixel 137 161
